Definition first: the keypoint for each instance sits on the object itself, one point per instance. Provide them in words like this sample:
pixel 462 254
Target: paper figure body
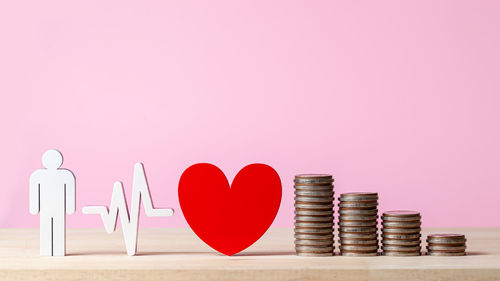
pixel 52 194
pixel 130 224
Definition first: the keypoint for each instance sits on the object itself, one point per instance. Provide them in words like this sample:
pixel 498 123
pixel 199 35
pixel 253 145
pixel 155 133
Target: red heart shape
pixel 229 219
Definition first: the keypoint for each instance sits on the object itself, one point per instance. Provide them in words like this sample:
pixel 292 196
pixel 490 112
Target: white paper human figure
pixel 118 206
pixel 52 194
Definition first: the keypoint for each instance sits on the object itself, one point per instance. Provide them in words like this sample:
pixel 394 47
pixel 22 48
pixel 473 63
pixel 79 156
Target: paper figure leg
pixel 45 236
pixel 59 235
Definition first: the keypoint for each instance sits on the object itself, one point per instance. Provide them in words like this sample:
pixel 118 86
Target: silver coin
pixel 344 217
pixel 314 213
pixel 358 212
pixel 358 248
pixel 312 180
pixel 346 241
pixel 328 187
pixel 357 205
pixel 445 240
pixel 302 206
pixel 358 196
pixel 315 193
pixel 313 219
pixel 401 249
pixel 347 235
pixel 397 242
pixel 327 230
pixel 401 219
pixel 446 254
pixel 354 254
pixel 446 249
pixel 401 213
pixel 358 223
pixel 401 224
pixel 312 249
pixel 358 229
pixel 401 230
pixel 314 224
pixel 300 199
pixel 455 244
pixel 357 199
pixel 315 243
pixel 313 236
pixel 306 254
pixel 445 236
pixel 401 254
pixel 401 236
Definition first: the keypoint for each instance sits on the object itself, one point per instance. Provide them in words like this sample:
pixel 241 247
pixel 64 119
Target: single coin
pixel 314 224
pixel 447 242
pixel 358 229
pixel 400 248
pixel 355 254
pixel 401 236
pixel 401 213
pixel 345 241
pixel 313 219
pixel 397 242
pixel 401 254
pixel 358 248
pixel 327 230
pixel 367 204
pixel 305 206
pixel 309 187
pixel 315 243
pixel 401 224
pixel 306 254
pixel 446 249
pixel 344 217
pixel 313 179
pixel 357 198
pixel 401 219
pixel 400 230
pixel 313 236
pixel 445 236
pixel 358 212
pixel 358 223
pixel 453 244
pixel 300 199
pixel 446 254
pixel 313 249
pixel 313 176
pixel 313 213
pixel 359 236
pixel 315 193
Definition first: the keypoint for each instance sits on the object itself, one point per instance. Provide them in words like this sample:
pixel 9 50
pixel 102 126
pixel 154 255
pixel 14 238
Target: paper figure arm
pixel 35 193
pixel 70 192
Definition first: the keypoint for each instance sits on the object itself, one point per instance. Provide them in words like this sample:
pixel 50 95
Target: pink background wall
pixel 399 97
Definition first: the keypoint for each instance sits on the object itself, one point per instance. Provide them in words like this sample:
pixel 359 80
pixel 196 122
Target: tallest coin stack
pixel 314 215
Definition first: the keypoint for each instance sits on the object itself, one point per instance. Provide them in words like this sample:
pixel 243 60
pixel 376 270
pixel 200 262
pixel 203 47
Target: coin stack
pixel 446 245
pixel 358 224
pixel 401 233
pixel 314 215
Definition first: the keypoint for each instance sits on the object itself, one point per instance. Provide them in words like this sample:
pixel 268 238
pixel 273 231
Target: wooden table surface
pixel 177 254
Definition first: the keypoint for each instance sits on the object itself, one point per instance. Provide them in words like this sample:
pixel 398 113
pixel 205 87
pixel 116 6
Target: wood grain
pixel 177 254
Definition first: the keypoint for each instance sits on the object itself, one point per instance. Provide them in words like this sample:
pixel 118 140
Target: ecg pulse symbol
pixel 130 223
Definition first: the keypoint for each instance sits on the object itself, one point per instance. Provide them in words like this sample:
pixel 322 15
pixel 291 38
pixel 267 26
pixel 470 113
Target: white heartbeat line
pixel 130 224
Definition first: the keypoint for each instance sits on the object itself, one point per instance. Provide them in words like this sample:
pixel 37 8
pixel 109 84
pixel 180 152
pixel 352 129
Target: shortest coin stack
pixel 401 233
pixel 358 224
pixel 446 245
pixel 314 215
